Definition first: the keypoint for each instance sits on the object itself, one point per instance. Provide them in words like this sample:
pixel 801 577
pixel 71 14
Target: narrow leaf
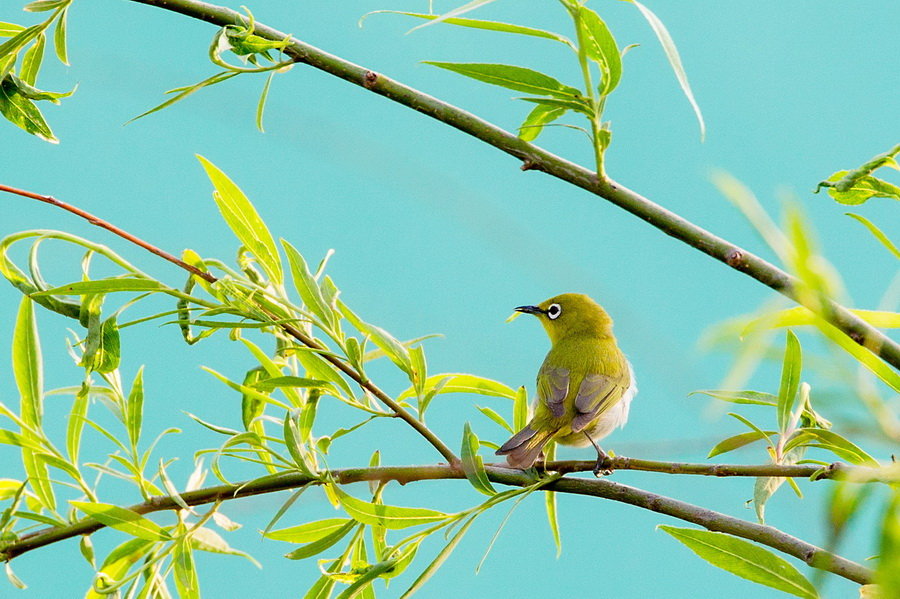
pixel 790 380
pixel 388 516
pixel 473 465
pixel 511 77
pixel 744 559
pixel 124 520
pixel 877 233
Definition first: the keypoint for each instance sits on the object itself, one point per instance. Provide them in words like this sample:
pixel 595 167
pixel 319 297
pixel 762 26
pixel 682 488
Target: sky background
pixel 435 232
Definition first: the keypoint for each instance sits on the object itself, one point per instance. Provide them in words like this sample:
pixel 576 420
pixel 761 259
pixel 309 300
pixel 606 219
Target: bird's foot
pixel 603 467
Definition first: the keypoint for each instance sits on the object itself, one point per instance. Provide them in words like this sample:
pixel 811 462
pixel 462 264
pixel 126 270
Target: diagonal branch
pixel 606 489
pixel 536 158
pixel 294 332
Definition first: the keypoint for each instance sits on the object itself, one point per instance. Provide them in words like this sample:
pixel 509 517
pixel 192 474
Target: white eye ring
pixel 554 311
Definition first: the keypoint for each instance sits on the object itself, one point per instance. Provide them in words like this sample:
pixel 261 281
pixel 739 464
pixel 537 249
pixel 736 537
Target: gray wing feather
pixel 596 394
pixel 553 386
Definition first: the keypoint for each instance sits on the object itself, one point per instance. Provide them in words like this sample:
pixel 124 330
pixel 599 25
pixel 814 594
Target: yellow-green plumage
pixel 584 386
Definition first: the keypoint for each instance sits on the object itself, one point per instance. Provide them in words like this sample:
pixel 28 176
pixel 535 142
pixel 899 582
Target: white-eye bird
pixel 584 387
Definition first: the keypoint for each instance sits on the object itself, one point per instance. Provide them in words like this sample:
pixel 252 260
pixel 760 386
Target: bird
pixel 584 386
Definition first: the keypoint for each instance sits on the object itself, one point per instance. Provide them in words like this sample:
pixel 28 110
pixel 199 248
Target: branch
pixel 814 556
pixel 297 334
pixel 536 158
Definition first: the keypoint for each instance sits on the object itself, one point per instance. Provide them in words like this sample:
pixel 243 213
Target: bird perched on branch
pixel 584 387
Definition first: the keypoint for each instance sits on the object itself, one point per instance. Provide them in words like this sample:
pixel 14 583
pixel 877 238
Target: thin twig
pixel 536 158
pixel 607 489
pixel 306 340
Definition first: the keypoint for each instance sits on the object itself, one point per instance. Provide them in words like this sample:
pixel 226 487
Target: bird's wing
pixel 596 394
pixel 552 388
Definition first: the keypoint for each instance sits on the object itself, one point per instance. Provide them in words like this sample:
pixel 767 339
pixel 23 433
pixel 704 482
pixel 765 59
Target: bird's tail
pixel 523 449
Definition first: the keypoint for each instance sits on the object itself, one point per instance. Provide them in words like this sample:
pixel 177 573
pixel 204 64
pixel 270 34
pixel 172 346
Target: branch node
pixel 735 259
pixel 370 79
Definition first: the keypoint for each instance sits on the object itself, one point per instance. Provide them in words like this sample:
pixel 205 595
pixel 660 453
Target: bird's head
pixel 571 314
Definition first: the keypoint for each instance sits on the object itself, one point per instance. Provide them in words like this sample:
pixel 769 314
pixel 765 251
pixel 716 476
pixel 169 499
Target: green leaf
pixel 320 544
pixel 741 397
pixel 59 38
pixel 22 112
pixel 479 24
pixel 244 221
pixel 361 584
pixel 388 516
pixel 438 561
pixel 393 348
pixel 511 77
pixel 309 532
pixel 473 465
pixel 850 190
pixel 206 539
pixel 520 409
pixel 261 105
pixel 832 441
pixel 75 421
pixel 184 92
pixel 496 418
pixel 252 406
pixel 290 381
pixel 737 441
pixel 134 413
pixel 10 29
pixel 539 116
pixel 124 520
pixel 581 106
pixel 104 286
pixel 887 576
pixel 457 382
pixel 802 316
pixel 600 46
pixel 668 45
pixel 32 59
pixel 550 503
pixel 744 559
pixel 20 39
pixel 186 582
pixel 308 288
pixel 469 6
pixel 28 365
pixel 102 351
pixel 790 380
pixel 865 357
pixel 878 234
pixel 13 579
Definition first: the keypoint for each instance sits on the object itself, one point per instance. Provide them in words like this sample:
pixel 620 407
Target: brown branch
pixel 306 340
pixel 606 489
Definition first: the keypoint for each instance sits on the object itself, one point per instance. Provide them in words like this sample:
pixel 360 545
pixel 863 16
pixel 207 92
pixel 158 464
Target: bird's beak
pixel 529 310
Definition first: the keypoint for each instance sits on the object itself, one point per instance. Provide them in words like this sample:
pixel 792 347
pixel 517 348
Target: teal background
pixel 438 233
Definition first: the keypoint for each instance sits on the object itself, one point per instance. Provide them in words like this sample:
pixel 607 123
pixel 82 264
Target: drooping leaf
pixel 741 397
pixel 744 559
pixel 539 116
pixel 738 441
pixel 442 556
pixel 22 111
pixel 671 51
pixel 320 544
pixel 459 10
pixel 879 235
pixel 308 288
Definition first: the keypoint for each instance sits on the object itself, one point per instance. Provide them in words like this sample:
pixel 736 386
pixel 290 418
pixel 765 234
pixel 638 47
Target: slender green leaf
pixel 388 516
pixel 479 24
pixel 550 503
pixel 744 559
pixel 600 46
pixel 459 10
pixel 741 397
pixel 864 356
pixel 473 465
pixel 452 382
pixel 309 532
pixel 290 381
pixel 801 316
pixel 186 581
pixel 362 584
pixel 104 286
pixel 887 576
pixel 21 39
pixel 790 380
pixel 32 59
pixel 124 520
pixel 28 365
pixel 853 191
pixel 244 221
pixel 206 539
pixel 832 441
pixel 308 288
pixel 393 348
pixel 75 421
pixel 184 92
pixel 878 234
pixel 496 418
pixel 134 413
pixel 520 409
pixel 512 77
pixel 738 441
pixel 668 45
pixel 10 29
pixel 59 37
pixel 320 544
pixel 261 105
pixel 582 106
pixel 438 561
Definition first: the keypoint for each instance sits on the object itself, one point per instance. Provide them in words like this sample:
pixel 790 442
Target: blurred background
pixel 435 232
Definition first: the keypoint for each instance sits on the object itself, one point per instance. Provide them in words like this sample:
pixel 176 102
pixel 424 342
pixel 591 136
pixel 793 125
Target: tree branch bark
pixel 536 158
pixel 814 556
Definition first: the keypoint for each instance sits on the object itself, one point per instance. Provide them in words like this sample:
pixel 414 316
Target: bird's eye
pixel 554 311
